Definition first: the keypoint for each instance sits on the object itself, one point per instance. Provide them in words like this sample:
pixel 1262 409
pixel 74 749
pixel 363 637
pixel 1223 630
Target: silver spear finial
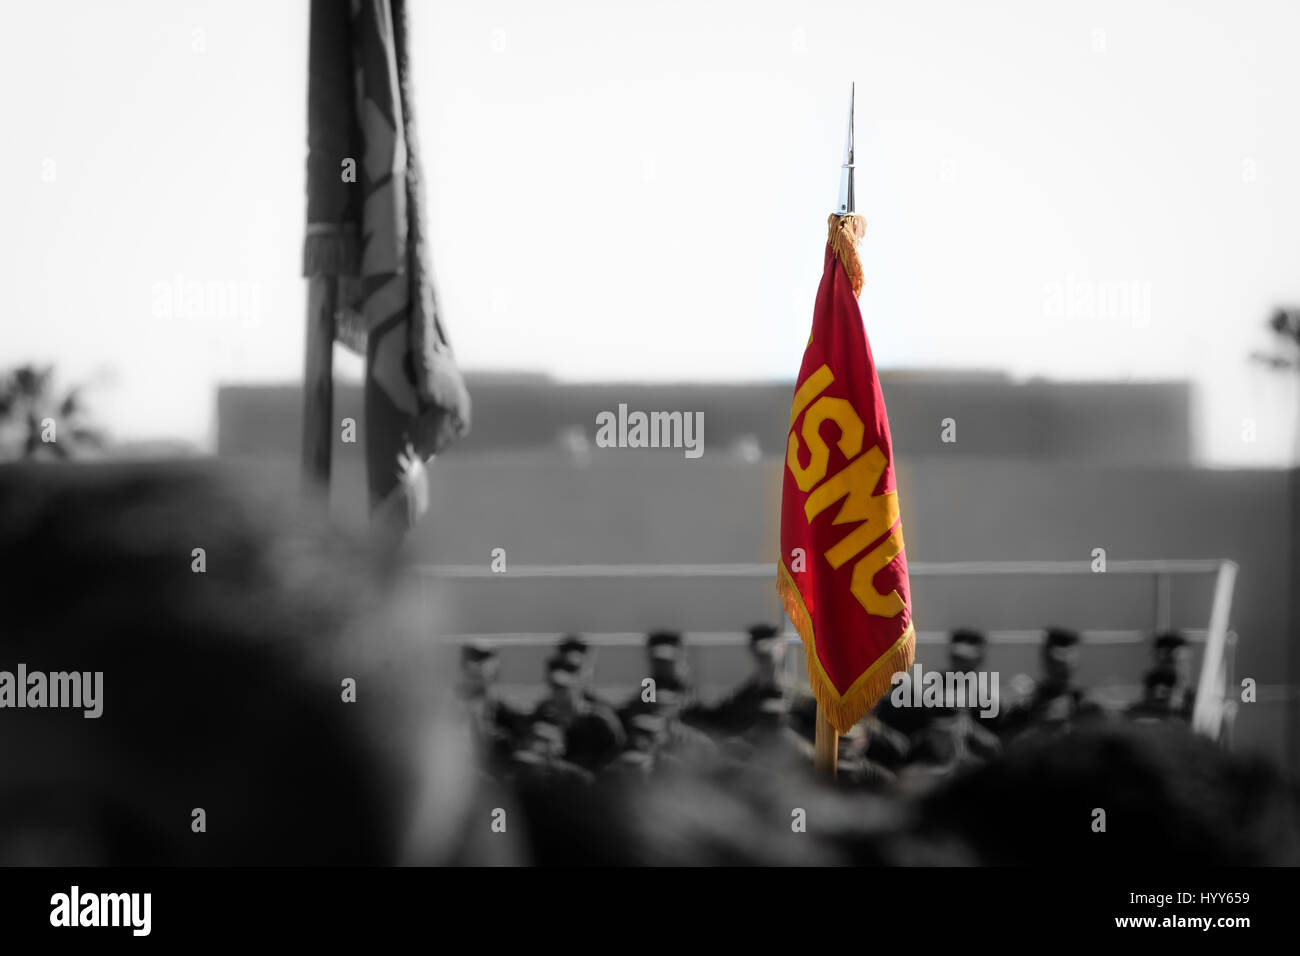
pixel 847 205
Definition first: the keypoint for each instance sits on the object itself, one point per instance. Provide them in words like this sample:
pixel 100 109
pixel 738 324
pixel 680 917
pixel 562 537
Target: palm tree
pixel 1285 323
pixel 28 405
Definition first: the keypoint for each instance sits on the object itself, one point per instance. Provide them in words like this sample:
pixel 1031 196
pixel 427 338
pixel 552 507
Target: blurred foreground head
pixel 1169 798
pixel 227 632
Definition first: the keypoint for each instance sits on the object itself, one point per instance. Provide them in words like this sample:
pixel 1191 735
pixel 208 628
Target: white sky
pixel 642 193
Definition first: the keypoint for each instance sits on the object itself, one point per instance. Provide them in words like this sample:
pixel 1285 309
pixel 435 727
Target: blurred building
pixel 1102 423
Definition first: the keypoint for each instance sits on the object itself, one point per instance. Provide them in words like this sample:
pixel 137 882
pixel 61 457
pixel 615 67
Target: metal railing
pixel 1211 710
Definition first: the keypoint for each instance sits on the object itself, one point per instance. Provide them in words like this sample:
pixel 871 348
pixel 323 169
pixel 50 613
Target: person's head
pixel 479 665
pixel 545 739
pixel 255 664
pixel 767 648
pixel 773 711
pixel 563 678
pixel 645 732
pixel 854 743
pixel 1158 685
pixel 593 740
pixel 666 656
pixel 966 649
pixel 1169 796
pixel 1060 655
pixel 575 649
pixel 1172 651
pixel 670 697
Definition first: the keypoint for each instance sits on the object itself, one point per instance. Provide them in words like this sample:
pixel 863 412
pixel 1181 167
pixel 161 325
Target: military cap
pixel 572 644
pixel 664 644
pixel 1061 637
pixel 1168 640
pixel 477 652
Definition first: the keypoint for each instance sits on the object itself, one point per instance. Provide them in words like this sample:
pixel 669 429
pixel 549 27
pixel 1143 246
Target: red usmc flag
pixel 842 574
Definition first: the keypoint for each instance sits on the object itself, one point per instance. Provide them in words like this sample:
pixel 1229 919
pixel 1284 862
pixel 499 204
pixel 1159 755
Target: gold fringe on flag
pixel 843 711
pixel 845 232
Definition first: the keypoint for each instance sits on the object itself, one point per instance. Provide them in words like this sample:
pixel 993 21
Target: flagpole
pixel 826 740
pixel 318 383
pixel 826 746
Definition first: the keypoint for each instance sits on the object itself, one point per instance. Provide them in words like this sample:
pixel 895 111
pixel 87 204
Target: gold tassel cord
pixel 844 234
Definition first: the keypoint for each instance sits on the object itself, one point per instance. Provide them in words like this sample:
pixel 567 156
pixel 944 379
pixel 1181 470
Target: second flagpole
pixel 826 746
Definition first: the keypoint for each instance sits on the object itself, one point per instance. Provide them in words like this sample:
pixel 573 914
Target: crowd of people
pixel 575 734
pixel 280 702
